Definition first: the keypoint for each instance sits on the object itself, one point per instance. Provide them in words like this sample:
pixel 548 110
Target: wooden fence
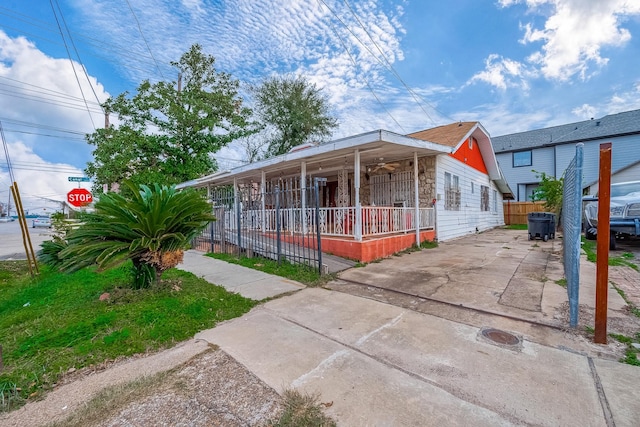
pixel 516 212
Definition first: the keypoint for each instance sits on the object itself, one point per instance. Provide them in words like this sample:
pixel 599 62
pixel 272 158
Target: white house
pixel 384 191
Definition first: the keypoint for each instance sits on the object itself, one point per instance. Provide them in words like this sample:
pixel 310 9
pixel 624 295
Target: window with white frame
pixel 522 158
pixel 451 192
pixel 484 198
pixel 495 201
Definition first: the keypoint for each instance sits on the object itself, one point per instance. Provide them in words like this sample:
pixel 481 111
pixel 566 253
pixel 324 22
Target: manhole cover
pixel 500 337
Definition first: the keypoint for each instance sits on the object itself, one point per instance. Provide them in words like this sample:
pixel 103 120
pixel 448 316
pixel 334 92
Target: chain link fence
pixel 572 227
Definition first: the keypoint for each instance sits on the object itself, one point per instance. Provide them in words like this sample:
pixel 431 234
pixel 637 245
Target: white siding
pixel 625 151
pixel 554 161
pixel 542 160
pixel 469 219
pixel 629 174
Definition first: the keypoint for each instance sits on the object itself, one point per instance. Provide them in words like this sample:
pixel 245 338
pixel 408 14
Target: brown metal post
pixel 26 238
pixel 602 263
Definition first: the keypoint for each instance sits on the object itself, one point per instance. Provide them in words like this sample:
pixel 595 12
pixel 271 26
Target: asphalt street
pixel 11 241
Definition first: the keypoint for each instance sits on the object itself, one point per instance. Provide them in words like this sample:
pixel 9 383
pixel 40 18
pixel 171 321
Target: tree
pixel 549 190
pixel 152 227
pixel 294 110
pixel 167 133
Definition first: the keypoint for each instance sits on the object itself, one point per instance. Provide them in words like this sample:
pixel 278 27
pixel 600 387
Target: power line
pixel 71 61
pixel 84 69
pixel 344 45
pixel 100 43
pixel 144 38
pixel 386 64
pixel 40 167
pixel 44 91
pixel 50 102
pixel 389 65
pixel 41 126
pixel 44 134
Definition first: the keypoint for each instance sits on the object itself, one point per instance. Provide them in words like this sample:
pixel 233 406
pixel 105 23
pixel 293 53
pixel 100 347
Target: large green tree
pixel 293 111
pixel 166 132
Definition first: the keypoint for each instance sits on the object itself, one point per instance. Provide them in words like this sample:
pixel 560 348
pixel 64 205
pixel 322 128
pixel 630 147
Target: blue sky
pixel 513 65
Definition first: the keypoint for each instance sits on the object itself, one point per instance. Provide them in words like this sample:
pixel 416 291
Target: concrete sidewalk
pixel 378 364
pixel 247 282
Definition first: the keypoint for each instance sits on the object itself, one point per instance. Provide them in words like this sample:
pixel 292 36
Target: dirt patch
pixel 211 389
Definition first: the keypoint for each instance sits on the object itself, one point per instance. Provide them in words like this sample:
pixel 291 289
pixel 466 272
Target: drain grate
pixel 500 337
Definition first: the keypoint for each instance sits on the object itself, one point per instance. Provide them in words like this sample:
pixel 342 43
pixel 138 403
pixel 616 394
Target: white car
pixel 41 222
pixel 624 213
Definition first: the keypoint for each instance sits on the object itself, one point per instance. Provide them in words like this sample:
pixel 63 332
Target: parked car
pixel 41 222
pixel 624 213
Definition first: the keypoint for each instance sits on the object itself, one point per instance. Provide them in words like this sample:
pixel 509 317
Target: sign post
pixel 79 197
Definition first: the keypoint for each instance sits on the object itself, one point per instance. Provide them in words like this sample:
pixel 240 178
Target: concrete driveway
pixel 498 272
pixel 439 352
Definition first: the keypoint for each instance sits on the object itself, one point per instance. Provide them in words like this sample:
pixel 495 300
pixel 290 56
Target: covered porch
pixel 364 197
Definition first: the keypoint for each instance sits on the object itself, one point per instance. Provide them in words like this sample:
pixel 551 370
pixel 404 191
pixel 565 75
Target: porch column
pixel 416 188
pixel 238 208
pixel 356 182
pixel 303 202
pixel 263 183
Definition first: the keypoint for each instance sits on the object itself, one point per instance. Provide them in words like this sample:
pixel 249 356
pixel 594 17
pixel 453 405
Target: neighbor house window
pixel 484 198
pixel 522 158
pixel 451 192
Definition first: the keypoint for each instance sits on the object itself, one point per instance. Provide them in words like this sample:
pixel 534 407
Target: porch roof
pixel 374 147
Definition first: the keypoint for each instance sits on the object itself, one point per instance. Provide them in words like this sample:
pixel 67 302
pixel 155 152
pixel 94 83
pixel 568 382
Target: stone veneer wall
pixel 426 177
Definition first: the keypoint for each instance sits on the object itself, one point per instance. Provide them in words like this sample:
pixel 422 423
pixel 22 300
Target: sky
pixel 402 66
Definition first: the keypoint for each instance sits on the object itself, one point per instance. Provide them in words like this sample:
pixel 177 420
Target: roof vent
pixel 598 123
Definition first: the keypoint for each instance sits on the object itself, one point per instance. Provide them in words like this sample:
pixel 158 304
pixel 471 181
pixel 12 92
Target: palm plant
pixel 152 227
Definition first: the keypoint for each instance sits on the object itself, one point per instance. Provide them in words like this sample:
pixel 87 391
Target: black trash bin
pixel 542 225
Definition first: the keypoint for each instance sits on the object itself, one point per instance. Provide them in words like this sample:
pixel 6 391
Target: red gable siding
pixel 470 156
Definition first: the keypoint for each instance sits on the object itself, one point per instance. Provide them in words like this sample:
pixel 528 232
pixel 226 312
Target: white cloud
pixel 503 73
pixel 574 34
pixel 585 111
pixel 40 96
pixel 44 90
pixel 39 181
pixel 256 38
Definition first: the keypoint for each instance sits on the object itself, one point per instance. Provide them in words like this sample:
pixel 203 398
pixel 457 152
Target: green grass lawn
pixel 589 247
pixel 307 275
pixel 56 321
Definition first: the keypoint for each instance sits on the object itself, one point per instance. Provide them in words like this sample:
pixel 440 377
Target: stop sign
pixel 79 197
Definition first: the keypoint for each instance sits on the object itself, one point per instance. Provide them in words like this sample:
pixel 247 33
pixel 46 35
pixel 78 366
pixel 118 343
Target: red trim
pixel 370 249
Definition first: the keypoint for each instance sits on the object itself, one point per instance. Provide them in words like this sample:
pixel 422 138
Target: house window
pixel 451 192
pixel 390 188
pixel 522 158
pixel 495 201
pixel 484 198
pixel 472 189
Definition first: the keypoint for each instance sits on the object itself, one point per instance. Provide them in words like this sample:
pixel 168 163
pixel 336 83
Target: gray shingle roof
pixel 605 127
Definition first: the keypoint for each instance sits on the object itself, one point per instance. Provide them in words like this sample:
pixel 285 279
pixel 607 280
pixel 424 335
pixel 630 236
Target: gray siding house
pixel 550 150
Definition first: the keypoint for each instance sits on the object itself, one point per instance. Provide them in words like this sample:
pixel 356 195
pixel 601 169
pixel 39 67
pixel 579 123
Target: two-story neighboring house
pixel 550 150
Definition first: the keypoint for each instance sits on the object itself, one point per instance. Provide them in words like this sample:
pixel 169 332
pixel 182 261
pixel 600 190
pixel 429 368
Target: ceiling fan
pixel 385 165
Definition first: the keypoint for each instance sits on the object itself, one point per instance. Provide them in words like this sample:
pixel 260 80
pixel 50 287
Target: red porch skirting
pixel 369 249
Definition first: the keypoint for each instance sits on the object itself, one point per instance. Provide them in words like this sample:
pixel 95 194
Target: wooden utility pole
pixel 602 247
